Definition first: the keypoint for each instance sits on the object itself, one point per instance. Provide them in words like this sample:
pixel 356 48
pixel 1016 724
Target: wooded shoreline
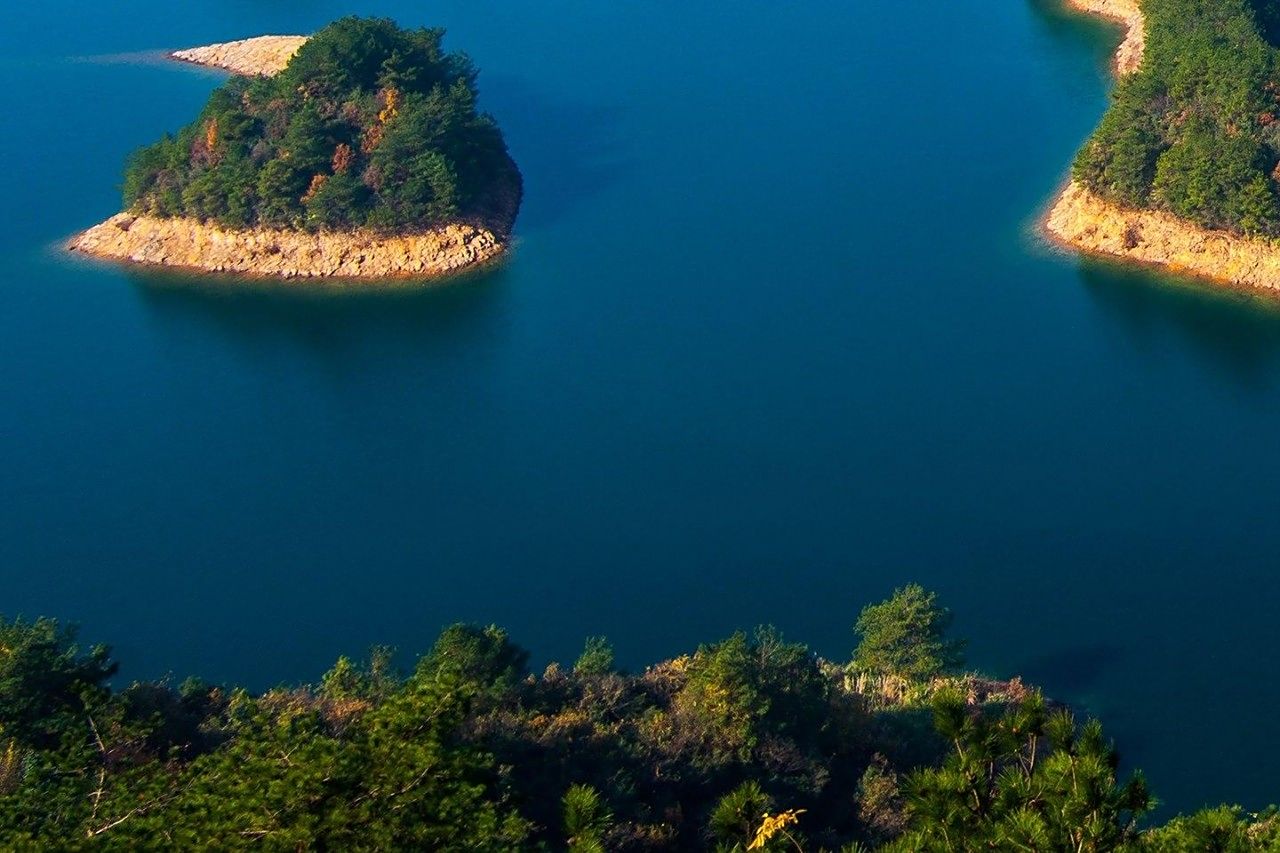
pixel 1081 220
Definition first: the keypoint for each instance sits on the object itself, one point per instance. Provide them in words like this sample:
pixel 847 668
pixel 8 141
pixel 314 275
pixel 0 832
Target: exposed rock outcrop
pixel 1084 221
pixel 281 253
pixel 263 55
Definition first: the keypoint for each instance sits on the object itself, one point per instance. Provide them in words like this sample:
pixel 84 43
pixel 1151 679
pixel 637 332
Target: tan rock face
pixel 1085 221
pixel 287 254
pixel 264 55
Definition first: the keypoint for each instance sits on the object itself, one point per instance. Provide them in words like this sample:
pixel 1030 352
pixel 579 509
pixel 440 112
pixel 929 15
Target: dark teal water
pixel 776 338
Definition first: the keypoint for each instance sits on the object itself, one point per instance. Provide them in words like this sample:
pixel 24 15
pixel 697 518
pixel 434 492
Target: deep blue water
pixel 776 338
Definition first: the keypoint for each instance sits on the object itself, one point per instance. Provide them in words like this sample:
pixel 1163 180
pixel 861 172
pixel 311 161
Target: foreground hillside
pixel 748 743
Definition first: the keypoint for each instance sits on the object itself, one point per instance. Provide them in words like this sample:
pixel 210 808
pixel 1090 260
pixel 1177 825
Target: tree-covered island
pixel 370 130
pixel 1195 131
pixel 1184 168
pixel 749 743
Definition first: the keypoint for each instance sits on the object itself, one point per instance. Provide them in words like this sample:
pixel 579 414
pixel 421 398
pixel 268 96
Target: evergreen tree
pixel 1026 779
pixel 906 636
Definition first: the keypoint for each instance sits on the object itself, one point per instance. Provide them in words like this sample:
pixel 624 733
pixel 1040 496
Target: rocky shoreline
pixel 1127 12
pixel 188 244
pixel 1081 220
pixel 286 254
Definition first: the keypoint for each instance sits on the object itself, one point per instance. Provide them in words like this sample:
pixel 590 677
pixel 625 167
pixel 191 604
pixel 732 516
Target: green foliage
pixel 906 636
pixel 880 805
pixel 586 819
pixel 743 690
pixel 338 202
pixel 48 684
pixel 1223 830
pixel 470 753
pixel 280 187
pixel 1119 162
pixel 1216 182
pixel 738 814
pixel 1026 779
pixel 367 762
pixel 1194 131
pixel 368 125
pixel 483 657
pixel 398 778
pixel 596 658
pixel 374 680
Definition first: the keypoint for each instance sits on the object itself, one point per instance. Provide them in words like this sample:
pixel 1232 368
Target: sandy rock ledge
pixel 263 55
pixel 280 253
pixel 1084 221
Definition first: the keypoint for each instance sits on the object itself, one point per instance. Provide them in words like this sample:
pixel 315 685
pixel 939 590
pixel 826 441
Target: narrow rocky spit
pixel 264 55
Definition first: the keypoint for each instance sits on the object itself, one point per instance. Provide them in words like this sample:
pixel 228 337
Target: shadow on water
pixel 328 322
pixel 1237 334
pixel 567 150
pixel 1071 671
pixel 1070 675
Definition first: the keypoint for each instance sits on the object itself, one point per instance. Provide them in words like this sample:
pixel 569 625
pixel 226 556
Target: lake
pixel 777 336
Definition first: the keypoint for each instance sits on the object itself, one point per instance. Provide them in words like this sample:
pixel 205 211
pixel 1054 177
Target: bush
pixel 596 658
pixel 743 690
pixel 906 636
pixel 738 815
pixel 483 657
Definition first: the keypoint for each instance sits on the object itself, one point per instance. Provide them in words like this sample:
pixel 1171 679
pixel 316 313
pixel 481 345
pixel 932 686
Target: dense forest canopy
pixel 750 743
pixel 369 125
pixel 1196 130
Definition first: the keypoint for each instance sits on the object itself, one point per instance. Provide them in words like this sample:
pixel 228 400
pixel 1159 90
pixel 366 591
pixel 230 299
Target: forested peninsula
pixel 358 152
pixel 749 743
pixel 1184 169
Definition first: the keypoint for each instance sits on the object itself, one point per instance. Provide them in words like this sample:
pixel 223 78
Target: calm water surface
pixel 775 339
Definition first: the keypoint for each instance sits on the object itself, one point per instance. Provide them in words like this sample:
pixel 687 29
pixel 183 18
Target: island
pixel 1183 172
pixel 358 153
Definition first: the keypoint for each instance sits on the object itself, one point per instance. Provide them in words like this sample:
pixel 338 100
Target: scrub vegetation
pixel 369 125
pixel 750 743
pixel 1196 130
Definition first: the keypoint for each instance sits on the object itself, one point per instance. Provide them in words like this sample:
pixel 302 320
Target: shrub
pixel 906 636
